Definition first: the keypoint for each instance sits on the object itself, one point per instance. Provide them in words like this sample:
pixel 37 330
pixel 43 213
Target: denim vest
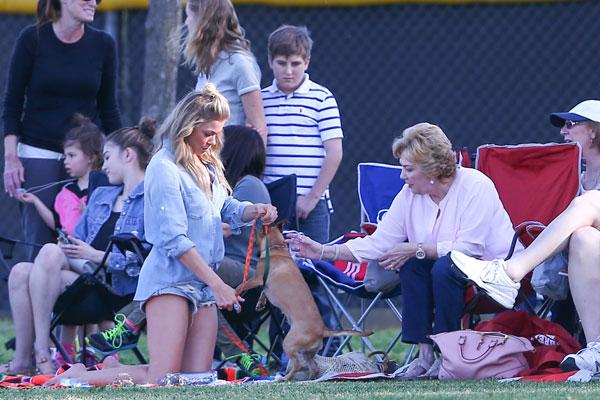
pixel 131 220
pixel 179 216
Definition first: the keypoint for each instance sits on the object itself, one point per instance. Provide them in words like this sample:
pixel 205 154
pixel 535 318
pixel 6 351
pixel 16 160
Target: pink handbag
pixel 481 355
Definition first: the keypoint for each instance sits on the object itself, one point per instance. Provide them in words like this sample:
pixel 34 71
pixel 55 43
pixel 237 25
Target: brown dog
pixel 287 290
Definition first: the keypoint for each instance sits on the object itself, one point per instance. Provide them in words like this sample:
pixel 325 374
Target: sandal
pixel 433 372
pixel 45 366
pixel 7 369
pixel 412 371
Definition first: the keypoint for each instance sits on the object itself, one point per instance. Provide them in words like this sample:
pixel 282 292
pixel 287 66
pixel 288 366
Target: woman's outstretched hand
pixel 304 246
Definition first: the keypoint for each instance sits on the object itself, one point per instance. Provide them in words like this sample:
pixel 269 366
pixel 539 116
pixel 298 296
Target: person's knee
pixel 441 270
pixel 50 256
pixel 19 277
pixel 584 238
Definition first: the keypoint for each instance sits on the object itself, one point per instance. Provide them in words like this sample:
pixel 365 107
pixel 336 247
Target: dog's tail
pixel 328 333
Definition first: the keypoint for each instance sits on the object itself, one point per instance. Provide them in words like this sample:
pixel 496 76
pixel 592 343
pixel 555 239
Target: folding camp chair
pixel 378 185
pixel 90 298
pixel 535 182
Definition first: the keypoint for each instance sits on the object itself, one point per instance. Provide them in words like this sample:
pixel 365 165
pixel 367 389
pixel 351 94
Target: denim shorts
pixel 196 296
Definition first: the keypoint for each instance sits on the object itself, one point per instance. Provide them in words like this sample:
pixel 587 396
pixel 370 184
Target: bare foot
pixel 110 362
pixel 73 372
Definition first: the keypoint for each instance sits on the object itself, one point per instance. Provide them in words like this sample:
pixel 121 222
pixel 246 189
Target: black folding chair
pixel 90 299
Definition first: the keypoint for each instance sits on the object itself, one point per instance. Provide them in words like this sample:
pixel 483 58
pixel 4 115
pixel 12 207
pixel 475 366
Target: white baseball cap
pixel 588 110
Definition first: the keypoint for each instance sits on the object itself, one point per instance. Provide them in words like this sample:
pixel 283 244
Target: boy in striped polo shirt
pixel 304 130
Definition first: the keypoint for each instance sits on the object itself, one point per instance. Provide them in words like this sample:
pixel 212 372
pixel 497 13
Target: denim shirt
pixel 131 220
pixel 179 216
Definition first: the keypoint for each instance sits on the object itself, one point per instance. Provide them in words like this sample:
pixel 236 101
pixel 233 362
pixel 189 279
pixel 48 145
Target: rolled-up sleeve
pixel 390 231
pixel 164 210
pixel 232 213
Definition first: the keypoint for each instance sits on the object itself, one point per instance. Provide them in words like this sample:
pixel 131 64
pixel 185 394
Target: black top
pixel 106 231
pixel 49 81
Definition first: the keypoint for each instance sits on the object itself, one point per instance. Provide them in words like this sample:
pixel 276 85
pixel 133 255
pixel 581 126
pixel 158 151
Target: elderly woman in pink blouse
pixel 442 207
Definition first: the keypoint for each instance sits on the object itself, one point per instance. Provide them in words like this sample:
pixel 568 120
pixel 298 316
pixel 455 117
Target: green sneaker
pixel 121 337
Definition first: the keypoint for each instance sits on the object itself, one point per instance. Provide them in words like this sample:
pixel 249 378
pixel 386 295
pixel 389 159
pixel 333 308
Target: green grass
pixel 330 390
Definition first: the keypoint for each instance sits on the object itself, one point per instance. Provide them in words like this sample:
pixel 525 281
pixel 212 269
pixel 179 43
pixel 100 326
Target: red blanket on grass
pixel 550 340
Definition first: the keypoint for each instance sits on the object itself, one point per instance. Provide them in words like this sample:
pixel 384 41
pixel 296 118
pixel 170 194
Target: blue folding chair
pixel 378 185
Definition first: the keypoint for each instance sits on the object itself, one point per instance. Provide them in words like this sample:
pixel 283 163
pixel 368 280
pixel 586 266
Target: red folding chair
pixel 535 182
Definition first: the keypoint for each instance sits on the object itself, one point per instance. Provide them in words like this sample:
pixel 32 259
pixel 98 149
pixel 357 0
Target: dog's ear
pixel 281 224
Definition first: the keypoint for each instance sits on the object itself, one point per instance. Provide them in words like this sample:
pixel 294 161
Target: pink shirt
pixel 470 218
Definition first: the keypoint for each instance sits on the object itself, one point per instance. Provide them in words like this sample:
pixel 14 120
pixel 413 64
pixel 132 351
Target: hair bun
pixel 148 127
pixel 210 90
pixel 80 120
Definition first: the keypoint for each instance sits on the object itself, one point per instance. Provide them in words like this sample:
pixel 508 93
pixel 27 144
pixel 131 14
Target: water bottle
pixel 189 379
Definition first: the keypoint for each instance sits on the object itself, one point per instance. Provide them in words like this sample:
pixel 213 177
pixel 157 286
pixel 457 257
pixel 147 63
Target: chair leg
pixel 139 355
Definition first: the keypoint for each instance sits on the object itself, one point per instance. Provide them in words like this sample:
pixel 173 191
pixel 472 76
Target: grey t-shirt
pixel 234 74
pixel 252 189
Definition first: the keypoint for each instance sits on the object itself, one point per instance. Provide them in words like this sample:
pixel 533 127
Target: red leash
pixel 249 253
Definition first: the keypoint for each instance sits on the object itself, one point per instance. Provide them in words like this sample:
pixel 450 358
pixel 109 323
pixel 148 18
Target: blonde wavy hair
pixel 218 29
pixel 427 146
pixel 196 108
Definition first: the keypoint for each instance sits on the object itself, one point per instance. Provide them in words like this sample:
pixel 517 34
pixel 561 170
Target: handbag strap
pixel 493 343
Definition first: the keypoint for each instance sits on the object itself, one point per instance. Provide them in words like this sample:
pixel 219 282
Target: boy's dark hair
pixel 243 153
pixel 88 137
pixel 288 40
pixel 139 138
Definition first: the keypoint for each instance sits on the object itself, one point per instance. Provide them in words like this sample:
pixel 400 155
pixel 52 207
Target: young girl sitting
pixel 83 153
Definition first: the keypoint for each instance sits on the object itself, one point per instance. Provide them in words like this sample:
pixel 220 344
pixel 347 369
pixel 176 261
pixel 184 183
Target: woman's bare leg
pixel 584 279
pixel 168 319
pixel 45 286
pixel 200 342
pixel 20 306
pixel 584 211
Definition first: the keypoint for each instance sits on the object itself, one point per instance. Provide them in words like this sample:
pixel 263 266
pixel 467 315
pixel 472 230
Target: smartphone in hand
pixel 62 236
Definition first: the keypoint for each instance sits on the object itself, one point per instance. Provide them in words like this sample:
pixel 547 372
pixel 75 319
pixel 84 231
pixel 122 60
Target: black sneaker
pixel 121 337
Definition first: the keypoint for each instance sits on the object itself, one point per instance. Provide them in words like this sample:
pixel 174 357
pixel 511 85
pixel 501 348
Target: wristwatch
pixel 420 253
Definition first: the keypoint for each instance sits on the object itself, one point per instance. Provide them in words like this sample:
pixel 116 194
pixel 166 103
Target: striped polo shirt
pixel 298 124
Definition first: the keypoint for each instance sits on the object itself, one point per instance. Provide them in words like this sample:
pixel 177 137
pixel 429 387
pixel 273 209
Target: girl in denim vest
pixel 34 287
pixel 186 200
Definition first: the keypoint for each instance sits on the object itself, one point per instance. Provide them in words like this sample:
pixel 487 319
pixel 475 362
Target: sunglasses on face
pixel 571 124
pixel 97 1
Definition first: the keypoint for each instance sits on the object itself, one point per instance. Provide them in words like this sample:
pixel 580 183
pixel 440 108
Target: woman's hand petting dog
pixel 226 298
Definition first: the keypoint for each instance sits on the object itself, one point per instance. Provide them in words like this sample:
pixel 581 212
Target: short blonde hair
pixel 197 107
pixel 595 128
pixel 427 146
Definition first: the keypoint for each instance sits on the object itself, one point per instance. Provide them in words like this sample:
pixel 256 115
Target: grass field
pixel 304 391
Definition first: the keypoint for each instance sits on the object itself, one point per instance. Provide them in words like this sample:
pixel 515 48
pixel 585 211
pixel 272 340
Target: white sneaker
pixel 586 359
pixel 489 276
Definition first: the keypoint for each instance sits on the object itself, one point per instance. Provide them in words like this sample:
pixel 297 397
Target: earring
pixel 431 181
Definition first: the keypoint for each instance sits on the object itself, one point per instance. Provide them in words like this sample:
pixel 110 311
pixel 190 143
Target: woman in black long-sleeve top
pixel 59 66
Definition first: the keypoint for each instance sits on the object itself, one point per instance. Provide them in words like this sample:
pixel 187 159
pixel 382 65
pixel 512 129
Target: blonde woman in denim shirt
pixel 34 287
pixel 186 201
